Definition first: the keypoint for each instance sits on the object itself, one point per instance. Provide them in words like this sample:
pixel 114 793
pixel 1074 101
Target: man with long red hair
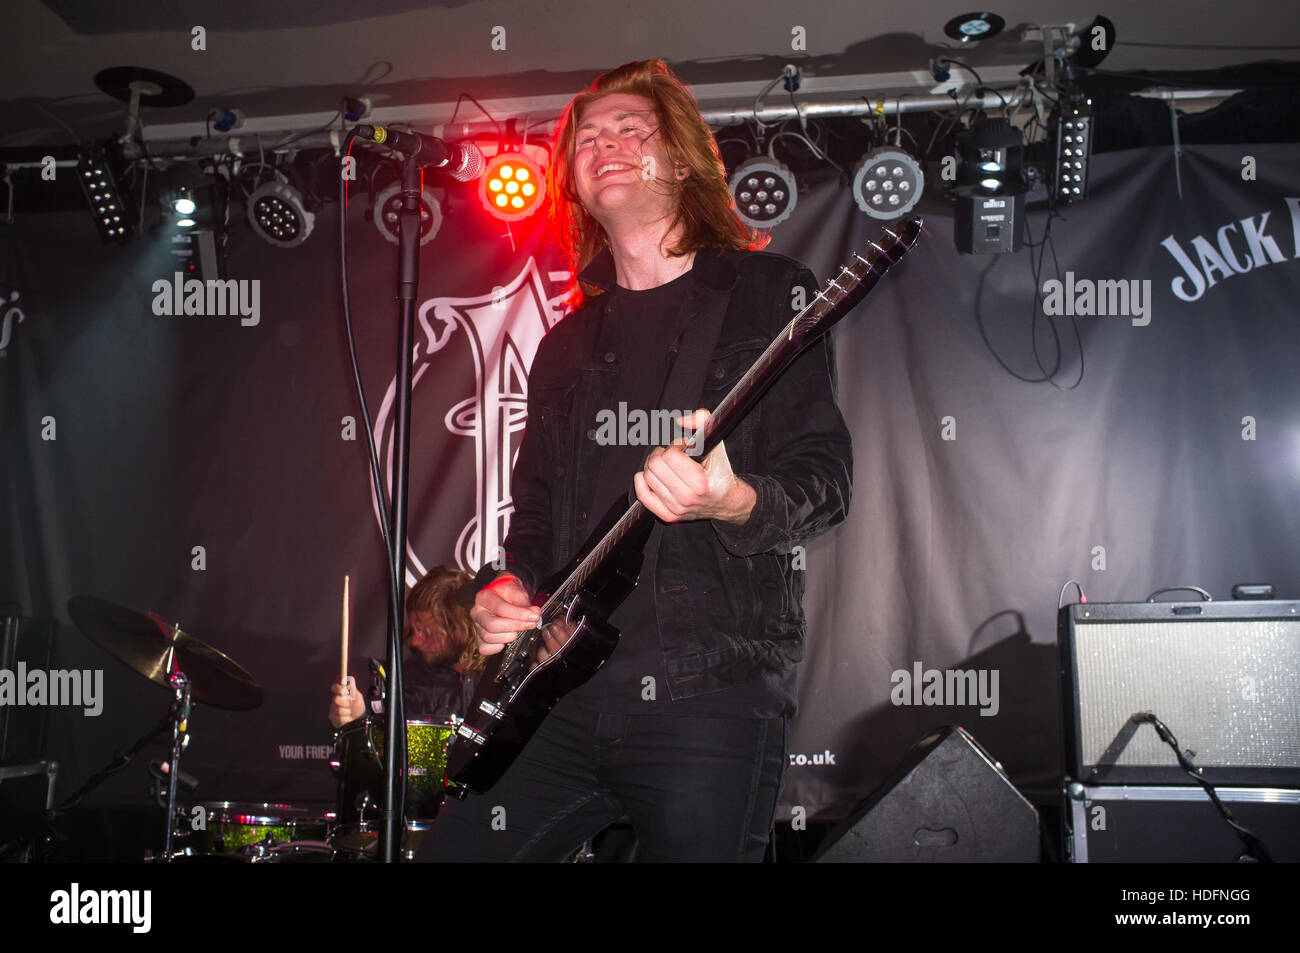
pixel 682 733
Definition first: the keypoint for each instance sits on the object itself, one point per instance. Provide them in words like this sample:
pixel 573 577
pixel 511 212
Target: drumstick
pixel 343 678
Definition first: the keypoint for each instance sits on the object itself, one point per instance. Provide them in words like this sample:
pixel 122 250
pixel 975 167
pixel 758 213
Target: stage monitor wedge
pixel 948 801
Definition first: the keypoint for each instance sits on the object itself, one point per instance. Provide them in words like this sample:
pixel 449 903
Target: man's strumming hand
pixel 501 611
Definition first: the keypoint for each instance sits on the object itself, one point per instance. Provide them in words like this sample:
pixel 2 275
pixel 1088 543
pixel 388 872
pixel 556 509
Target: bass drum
pixel 358 758
pixel 240 832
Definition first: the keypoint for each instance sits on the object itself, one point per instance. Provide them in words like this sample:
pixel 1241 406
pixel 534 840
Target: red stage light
pixel 512 186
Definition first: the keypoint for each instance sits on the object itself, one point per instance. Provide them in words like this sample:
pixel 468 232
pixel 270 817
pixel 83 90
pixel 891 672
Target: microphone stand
pixel 408 280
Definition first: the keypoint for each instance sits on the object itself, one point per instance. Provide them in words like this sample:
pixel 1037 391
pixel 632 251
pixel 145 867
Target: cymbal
pixel 145 642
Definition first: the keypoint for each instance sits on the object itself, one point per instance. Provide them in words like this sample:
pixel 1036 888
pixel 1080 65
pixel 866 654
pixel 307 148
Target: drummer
pixel 442 666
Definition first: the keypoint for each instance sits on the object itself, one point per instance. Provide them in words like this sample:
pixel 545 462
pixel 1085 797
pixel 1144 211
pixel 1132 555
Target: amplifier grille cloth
pixel 1228 690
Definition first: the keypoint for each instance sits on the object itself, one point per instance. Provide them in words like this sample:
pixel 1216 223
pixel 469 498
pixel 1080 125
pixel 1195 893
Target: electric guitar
pixel 516 691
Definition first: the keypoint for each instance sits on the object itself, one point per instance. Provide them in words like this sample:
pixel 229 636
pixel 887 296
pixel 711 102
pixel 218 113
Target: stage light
pixel 183 202
pixel 765 192
pixel 990 154
pixel 512 186
pixel 278 214
pixel 1073 151
pixel 990 189
pixel 887 183
pixel 974 26
pixel 100 188
pixel 388 209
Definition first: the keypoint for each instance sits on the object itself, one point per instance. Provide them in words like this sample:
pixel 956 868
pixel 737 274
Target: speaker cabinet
pixel 948 801
pixel 1224 677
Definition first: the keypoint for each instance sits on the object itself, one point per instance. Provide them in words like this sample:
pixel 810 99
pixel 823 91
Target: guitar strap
pixel 689 356
pixel 693 349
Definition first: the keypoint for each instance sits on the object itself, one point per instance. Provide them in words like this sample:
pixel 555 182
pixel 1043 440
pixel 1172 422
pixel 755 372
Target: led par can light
pixel 388 211
pixel 887 183
pixel 512 186
pixel 277 213
pixel 765 192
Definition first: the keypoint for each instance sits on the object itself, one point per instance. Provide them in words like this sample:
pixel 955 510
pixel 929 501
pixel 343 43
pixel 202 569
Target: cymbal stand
pixel 180 717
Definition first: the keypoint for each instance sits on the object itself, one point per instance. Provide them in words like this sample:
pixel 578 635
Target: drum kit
pixel 227 831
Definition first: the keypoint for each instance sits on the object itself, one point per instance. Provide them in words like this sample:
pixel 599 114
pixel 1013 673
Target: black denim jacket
pixel 728 598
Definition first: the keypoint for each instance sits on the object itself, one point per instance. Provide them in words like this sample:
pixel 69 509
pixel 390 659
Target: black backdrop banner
pixel 209 467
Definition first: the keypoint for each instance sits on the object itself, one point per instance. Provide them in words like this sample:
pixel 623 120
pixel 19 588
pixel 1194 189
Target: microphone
pixel 461 160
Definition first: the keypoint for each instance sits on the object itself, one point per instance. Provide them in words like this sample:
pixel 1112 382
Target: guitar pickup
pixel 491 710
pixel 469 734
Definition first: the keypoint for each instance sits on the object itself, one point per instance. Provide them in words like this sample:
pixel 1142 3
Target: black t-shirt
pixel 434 693
pixel 647 325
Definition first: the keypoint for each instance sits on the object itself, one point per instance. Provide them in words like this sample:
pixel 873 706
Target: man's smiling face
pixel 621 170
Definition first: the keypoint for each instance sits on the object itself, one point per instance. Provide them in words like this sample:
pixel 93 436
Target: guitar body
pixel 516 692
pixel 514 696
pixel 479 767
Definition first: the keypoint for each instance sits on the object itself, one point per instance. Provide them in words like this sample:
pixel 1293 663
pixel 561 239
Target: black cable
pixel 953 119
pixel 364 81
pixel 1060 600
pixel 1254 846
pixel 812 147
pixel 1046 244
pixel 1035 304
pixel 1003 99
pixel 968 69
pixel 1205 596
pixel 377 493
pixel 723 142
pixel 979 322
pixel 376 475
pixel 934 136
pixel 117 763
pixel 501 135
pixel 1074 321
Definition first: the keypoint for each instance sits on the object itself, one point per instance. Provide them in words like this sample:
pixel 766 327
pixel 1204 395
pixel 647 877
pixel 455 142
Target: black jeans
pixel 694 789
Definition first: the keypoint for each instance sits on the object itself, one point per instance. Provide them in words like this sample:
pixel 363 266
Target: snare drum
pixel 358 757
pixel 251 833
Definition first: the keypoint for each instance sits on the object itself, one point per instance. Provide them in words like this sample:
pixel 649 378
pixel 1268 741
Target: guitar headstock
pixel 858 277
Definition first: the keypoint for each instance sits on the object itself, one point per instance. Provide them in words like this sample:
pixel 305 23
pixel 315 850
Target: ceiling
pixel 286 65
